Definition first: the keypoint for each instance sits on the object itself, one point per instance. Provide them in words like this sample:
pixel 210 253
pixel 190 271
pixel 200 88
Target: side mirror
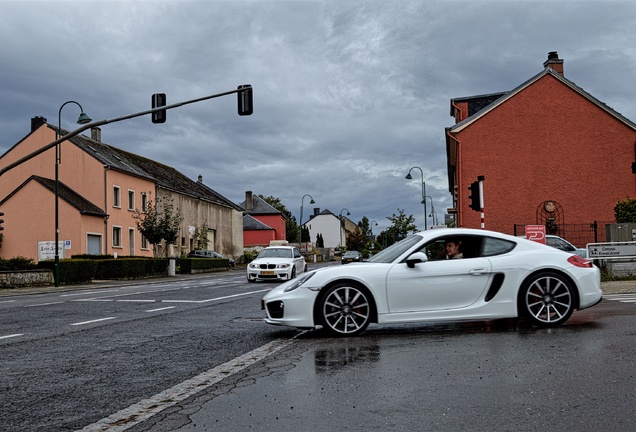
pixel 417 257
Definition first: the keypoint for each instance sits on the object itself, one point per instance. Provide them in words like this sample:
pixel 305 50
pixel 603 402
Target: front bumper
pixel 277 275
pixel 294 308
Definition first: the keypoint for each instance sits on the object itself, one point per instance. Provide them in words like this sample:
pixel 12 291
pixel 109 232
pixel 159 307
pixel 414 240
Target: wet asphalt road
pixel 498 375
pixel 502 376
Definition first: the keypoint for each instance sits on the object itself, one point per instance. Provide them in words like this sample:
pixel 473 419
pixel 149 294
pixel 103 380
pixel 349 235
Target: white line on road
pixel 145 409
pixel 160 309
pixel 214 299
pixel 93 321
pixel 138 301
pixel 7 301
pixel 11 336
pixel 44 304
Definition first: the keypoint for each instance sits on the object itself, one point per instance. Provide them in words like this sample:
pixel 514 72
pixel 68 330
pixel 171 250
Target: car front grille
pixel 267 266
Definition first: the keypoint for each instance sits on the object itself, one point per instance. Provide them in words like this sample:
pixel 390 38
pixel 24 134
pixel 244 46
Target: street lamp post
pixel 83 119
pixel 373 222
pixel 301 217
pixel 432 214
pixel 409 177
pixel 342 224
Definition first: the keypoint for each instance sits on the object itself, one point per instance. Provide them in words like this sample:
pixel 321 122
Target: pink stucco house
pixel 100 186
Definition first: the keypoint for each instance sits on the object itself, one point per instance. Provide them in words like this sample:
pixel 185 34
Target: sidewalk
pixel 614 287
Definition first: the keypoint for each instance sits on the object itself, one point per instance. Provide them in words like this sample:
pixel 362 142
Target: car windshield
pixel 275 253
pixel 394 251
pixel 347 254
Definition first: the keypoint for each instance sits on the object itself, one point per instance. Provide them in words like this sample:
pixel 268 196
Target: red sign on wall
pixel 536 233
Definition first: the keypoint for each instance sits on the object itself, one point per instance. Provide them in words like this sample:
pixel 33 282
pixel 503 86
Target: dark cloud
pixel 348 95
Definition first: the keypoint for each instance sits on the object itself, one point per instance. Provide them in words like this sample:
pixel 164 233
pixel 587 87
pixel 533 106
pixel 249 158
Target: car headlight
pixel 283 266
pixel 299 281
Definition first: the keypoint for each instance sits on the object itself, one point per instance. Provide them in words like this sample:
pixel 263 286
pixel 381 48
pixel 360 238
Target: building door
pixel 94 244
pixel 131 241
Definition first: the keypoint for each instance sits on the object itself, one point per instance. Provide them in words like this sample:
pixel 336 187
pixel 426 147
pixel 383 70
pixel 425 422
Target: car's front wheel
pixel 345 310
pixel 293 273
pixel 547 299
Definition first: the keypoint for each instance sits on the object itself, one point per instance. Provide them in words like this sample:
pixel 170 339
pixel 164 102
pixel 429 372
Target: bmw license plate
pixel 267 272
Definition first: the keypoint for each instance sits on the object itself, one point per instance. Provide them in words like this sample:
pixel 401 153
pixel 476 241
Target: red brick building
pixel 550 153
pixel 262 223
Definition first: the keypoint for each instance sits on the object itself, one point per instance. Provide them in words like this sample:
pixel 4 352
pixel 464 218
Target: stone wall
pixel 26 278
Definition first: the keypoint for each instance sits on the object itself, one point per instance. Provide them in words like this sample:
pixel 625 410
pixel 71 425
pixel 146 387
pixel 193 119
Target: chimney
pixel 36 122
pixel 200 180
pixel 249 205
pixel 554 62
pixel 96 134
pixel 316 211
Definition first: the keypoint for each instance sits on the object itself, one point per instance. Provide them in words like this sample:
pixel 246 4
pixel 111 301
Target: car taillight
pixel 578 261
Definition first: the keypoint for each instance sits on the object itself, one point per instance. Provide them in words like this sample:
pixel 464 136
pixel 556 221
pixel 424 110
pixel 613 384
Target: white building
pixel 328 224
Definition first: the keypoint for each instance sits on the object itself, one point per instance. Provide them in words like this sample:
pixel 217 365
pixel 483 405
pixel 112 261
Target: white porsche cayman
pixel 440 275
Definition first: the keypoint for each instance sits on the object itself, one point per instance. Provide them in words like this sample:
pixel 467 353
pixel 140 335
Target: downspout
pixel 460 212
pixel 106 169
pixel 458 185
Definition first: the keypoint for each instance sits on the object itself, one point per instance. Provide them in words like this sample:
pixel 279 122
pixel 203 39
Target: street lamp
pixel 83 119
pixel 341 224
pixel 409 177
pixel 301 217
pixel 432 214
pixel 373 222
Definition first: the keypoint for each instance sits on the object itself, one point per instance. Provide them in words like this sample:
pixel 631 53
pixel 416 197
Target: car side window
pixel 493 246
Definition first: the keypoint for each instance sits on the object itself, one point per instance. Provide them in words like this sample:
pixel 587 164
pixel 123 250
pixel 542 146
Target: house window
pixel 116 196
pixel 116 236
pixel 144 243
pixel 131 200
pixel 144 202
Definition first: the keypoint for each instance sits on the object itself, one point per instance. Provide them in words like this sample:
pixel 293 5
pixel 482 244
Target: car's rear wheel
pixel 345 310
pixel 547 299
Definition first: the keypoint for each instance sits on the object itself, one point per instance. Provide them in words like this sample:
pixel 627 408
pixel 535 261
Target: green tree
pixel 200 237
pixel 159 221
pixel 625 210
pixel 355 240
pixel 291 225
pixel 401 226
pixel 320 242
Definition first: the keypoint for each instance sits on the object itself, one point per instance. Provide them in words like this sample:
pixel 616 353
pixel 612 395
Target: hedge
pixel 187 265
pixel 131 268
pixel 72 270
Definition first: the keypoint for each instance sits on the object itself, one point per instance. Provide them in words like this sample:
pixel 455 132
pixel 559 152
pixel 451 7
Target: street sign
pixel 611 250
pixel 536 233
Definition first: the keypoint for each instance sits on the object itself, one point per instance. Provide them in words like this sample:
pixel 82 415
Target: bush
pixel 187 265
pixel 131 268
pixel 17 263
pixel 625 211
pixel 72 270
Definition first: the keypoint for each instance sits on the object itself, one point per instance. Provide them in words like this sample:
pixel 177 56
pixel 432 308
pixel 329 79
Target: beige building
pixel 100 187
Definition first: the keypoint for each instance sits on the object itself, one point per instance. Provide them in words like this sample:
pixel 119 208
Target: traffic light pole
pixel 81 129
pixel 481 200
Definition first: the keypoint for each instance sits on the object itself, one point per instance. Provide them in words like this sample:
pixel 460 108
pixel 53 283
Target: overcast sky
pixel 348 95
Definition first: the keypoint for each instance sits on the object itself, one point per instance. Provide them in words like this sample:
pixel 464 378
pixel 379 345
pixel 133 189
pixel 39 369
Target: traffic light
pixel 245 100
pixel 158 101
pixel 1 221
pixel 474 197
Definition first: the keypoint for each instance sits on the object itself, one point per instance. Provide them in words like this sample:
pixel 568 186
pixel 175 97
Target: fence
pixel 577 234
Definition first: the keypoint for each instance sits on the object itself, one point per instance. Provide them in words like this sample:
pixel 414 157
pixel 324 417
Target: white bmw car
pixel 276 263
pixel 491 276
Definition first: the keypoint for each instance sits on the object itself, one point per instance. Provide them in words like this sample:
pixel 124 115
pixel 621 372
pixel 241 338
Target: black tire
pixel 547 299
pixel 293 274
pixel 249 279
pixel 345 310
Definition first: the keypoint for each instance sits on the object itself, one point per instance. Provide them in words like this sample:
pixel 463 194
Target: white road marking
pixel 11 336
pixel 137 301
pixel 145 409
pixel 7 301
pixel 43 304
pixel 93 321
pixel 160 309
pixel 214 299
pixel 101 291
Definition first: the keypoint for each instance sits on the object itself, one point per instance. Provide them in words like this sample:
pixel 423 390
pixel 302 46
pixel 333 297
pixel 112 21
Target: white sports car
pixel 491 276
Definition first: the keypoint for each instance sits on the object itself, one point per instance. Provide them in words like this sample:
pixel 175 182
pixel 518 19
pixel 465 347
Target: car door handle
pixel 478 271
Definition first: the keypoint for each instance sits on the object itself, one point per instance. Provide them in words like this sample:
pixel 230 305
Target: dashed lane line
pixel 12 336
pixel 93 321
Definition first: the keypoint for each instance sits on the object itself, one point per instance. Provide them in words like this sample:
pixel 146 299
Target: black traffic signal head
pixel 158 101
pixel 245 106
pixel 474 197
pixel 1 221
